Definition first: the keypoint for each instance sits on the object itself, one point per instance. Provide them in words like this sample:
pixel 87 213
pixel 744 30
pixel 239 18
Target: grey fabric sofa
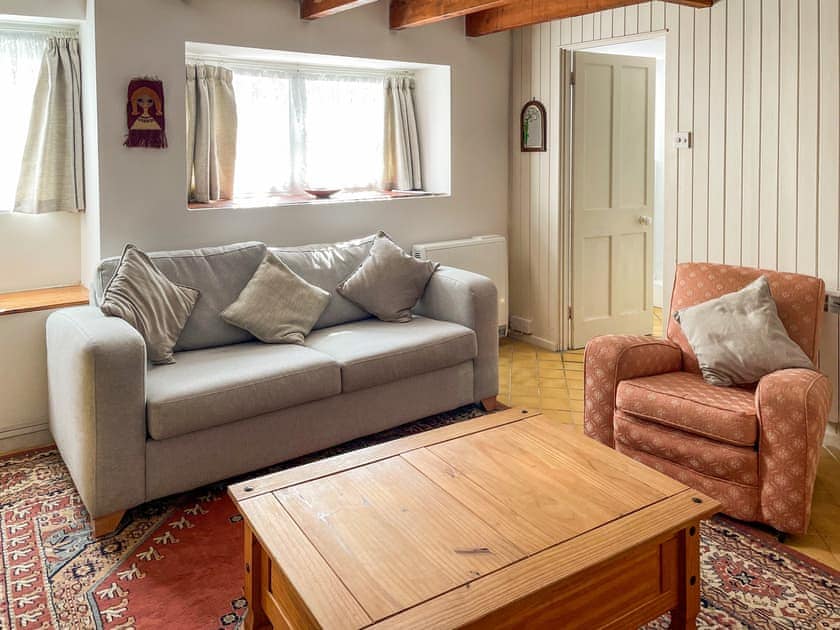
pixel 131 432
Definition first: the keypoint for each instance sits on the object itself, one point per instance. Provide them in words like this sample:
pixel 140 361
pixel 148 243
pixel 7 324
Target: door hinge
pixel 570 312
pixel 571 78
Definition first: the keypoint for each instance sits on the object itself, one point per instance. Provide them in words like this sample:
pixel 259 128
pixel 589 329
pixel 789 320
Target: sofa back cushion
pixel 799 301
pixel 219 273
pixel 325 266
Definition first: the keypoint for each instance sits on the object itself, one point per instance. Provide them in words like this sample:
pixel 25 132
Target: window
pixel 20 62
pixel 265 126
pixel 298 130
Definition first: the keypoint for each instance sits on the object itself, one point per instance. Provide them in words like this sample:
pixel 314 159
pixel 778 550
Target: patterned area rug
pixel 177 562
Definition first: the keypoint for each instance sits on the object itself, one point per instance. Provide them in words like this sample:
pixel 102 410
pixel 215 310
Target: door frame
pixel 566 166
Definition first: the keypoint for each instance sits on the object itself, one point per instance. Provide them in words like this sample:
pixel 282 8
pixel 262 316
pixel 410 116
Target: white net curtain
pixel 301 130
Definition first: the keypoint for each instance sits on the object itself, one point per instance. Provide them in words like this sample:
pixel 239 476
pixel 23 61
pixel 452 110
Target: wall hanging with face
pixel 533 126
pixel 146 124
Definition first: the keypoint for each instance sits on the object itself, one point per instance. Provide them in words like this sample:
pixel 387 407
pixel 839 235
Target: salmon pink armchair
pixel 753 449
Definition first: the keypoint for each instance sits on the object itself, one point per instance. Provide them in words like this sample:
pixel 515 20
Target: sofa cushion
pixel 219 273
pixel 154 305
pixel 372 352
pixel 326 266
pixel 685 401
pixel 389 282
pixel 215 386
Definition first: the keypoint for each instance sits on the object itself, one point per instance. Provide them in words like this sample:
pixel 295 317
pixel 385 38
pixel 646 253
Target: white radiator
pixel 486 255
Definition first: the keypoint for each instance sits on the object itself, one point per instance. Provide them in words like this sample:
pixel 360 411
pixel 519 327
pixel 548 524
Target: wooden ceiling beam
pixel 314 9
pixel 409 13
pixel 527 12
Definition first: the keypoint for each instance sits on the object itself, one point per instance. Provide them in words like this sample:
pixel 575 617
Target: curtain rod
pixel 301 68
pixel 55 30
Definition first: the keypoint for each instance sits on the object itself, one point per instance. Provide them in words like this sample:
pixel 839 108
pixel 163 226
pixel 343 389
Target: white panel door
pixel 612 195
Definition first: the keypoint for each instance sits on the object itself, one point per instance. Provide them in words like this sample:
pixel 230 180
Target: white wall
pixel 141 195
pixel 756 81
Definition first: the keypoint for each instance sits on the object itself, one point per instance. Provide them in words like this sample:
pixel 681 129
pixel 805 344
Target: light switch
pixel 682 140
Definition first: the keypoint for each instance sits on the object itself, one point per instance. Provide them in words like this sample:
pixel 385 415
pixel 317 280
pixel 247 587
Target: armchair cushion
pixel 738 464
pixel 685 401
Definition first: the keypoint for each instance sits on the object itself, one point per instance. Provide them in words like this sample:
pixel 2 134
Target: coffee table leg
pixel 256 618
pixel 685 615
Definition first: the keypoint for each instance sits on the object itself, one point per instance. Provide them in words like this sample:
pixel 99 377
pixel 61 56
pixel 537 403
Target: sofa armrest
pixel 610 359
pixel 471 300
pixel 96 368
pixel 792 408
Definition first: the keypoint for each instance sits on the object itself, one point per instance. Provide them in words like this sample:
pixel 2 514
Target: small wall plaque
pixel 533 126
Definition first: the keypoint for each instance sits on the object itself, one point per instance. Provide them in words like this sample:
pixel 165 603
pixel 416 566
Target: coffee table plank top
pixel 445 526
pixel 549 569
pixel 434 543
pixel 327 599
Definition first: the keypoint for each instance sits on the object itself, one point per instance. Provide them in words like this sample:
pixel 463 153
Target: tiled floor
pixel 553 382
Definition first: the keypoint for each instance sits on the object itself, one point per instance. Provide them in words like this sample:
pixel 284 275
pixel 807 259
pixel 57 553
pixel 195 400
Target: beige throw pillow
pixel 157 307
pixel 277 305
pixel 389 282
pixel 738 337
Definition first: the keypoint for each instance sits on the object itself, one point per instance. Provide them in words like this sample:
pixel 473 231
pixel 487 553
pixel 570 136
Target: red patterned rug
pixel 177 563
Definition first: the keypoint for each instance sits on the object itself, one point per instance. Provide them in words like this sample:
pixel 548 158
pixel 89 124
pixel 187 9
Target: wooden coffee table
pixel 509 520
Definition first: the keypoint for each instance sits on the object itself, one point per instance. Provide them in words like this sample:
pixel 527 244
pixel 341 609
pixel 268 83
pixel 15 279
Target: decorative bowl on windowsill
pixel 322 193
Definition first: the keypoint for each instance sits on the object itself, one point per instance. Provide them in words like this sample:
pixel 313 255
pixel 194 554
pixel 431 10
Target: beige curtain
pixel 52 171
pixel 211 133
pixel 402 145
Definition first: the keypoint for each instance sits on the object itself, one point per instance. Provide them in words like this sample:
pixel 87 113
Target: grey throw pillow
pixel 157 307
pixel 277 305
pixel 389 282
pixel 738 337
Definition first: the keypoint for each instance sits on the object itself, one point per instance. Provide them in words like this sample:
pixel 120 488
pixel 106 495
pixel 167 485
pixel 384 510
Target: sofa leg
pixel 781 536
pixel 489 404
pixel 105 525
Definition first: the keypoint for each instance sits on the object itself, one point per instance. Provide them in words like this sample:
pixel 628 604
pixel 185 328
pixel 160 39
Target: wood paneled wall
pixel 756 82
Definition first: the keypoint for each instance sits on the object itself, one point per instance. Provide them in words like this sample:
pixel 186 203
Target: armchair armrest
pixel 96 368
pixel 792 408
pixel 610 359
pixel 471 300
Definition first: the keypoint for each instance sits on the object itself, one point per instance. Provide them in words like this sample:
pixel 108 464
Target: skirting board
pixel 545 344
pixel 20 438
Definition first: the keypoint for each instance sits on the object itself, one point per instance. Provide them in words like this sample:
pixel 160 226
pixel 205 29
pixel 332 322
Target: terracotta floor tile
pixel 556 403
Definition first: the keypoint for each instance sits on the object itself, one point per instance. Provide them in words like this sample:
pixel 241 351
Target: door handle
pixel 645 220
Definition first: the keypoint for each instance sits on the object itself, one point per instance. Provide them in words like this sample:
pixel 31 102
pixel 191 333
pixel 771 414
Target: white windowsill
pixel 280 200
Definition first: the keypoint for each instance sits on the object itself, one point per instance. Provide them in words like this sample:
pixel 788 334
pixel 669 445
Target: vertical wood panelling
pixel 587 26
pixel 631 20
pixel 768 194
pixel 606 24
pixel 788 133
pixel 618 22
pixel 806 215
pixel 751 145
pixel 756 82
pixel 828 202
pixel 685 122
pixel 700 176
pixel 717 132
pixel 644 17
pixel 734 131
pixel 543 244
pixel 657 17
